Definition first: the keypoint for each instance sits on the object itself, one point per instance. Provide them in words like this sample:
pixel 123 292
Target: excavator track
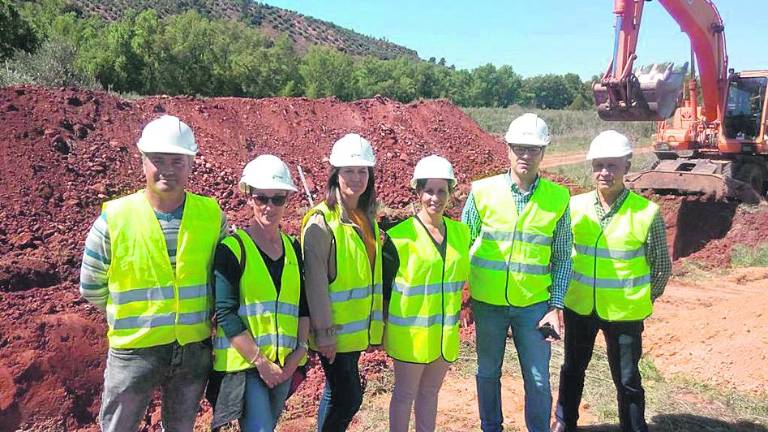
pixel 706 177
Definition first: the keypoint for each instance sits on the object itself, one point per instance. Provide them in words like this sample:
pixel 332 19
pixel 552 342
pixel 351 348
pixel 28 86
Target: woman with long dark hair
pixel 342 253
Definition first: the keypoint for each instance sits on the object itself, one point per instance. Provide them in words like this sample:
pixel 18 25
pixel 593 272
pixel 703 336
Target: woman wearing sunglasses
pixel 261 309
pixel 342 251
pixel 426 264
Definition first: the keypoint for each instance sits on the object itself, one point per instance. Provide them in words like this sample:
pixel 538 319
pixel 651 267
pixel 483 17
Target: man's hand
pixel 555 319
pixel 328 351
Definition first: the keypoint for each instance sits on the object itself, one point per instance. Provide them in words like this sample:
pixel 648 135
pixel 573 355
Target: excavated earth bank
pixel 65 151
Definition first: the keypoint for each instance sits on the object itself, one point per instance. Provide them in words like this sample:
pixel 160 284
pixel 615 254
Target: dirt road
pixel 560 159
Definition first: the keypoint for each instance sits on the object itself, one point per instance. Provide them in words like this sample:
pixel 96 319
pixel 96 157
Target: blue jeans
pixel 343 393
pixel 132 375
pixel 263 405
pixel 491 324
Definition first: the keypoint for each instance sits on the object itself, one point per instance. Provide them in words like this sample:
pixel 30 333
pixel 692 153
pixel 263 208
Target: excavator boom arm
pixel 700 20
pixel 620 96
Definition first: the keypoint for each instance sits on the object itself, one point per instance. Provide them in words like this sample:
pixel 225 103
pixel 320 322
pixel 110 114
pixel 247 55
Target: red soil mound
pixel 63 152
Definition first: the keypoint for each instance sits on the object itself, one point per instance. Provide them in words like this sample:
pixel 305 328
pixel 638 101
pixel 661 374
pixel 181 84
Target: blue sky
pixel 536 36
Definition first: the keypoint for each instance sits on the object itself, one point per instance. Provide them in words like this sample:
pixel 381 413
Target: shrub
pixel 52 65
pixel 750 256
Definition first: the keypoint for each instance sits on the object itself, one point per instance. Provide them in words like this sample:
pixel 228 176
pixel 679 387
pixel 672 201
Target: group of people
pixel 187 299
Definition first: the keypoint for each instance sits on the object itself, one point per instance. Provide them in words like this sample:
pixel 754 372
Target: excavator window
pixel 744 107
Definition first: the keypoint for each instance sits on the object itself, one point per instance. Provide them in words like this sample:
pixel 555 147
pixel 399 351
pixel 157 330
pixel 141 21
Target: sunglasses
pixel 277 200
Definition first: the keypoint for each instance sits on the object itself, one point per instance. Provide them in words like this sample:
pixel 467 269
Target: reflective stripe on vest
pixel 423 319
pixel 611 275
pixel 149 304
pixel 356 293
pixel 271 319
pixel 510 259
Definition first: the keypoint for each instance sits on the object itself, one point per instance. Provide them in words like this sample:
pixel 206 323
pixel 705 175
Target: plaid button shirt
pixel 562 239
pixel 656 251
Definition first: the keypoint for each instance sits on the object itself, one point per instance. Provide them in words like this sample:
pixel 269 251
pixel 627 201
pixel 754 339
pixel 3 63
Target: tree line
pixel 45 43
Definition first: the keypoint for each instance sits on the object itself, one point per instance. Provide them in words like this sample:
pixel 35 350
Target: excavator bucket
pixel 703 177
pixel 652 94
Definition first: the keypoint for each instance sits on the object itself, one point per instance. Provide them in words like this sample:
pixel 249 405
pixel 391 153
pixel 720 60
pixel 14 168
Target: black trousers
pixel 624 343
pixel 343 393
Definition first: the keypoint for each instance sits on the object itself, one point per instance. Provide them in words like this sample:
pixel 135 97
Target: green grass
pixel 571 130
pixel 581 174
pixel 750 256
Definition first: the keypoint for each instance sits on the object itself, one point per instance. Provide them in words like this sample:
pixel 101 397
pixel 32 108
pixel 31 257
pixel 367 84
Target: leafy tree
pixel 485 87
pixel 41 14
pixel 193 54
pixel 546 91
pixel 111 58
pixel 15 32
pixel 187 58
pixel 580 103
pixel 509 84
pixel 326 72
pixel 460 82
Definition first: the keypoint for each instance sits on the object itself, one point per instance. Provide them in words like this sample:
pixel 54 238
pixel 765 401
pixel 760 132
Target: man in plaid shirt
pixel 519 273
pixel 620 267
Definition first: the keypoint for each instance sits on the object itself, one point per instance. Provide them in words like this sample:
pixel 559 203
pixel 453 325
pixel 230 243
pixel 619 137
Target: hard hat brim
pixel 345 162
pixel 514 139
pixel 451 181
pixel 145 147
pixel 592 155
pixel 244 185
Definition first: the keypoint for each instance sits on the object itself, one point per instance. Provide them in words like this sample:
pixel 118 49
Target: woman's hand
pixel 270 373
pixel 292 363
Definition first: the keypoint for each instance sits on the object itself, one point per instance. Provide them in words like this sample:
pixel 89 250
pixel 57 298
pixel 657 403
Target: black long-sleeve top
pixel 227 273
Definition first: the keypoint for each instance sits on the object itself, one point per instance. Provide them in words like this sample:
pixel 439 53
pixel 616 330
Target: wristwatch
pixel 303 345
pixel 327 332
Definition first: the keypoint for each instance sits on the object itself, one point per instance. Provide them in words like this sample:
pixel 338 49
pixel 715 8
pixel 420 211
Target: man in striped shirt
pixel 98 255
pixel 147 265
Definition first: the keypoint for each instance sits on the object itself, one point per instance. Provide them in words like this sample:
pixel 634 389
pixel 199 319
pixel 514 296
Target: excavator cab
pixel 652 93
pixel 744 106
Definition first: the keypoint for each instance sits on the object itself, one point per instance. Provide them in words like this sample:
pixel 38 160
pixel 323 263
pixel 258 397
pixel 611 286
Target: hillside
pixel 302 30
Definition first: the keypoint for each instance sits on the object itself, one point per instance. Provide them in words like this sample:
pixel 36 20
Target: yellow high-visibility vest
pixel 611 275
pixel 356 292
pixel 510 259
pixel 423 319
pixel 272 319
pixel 149 304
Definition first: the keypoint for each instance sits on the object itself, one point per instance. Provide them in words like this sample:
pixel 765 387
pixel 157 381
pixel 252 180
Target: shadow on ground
pixel 685 423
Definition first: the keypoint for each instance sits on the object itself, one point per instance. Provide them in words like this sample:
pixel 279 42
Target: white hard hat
pixel 433 167
pixel 266 172
pixel 352 150
pixel 528 129
pixel 609 144
pixel 167 134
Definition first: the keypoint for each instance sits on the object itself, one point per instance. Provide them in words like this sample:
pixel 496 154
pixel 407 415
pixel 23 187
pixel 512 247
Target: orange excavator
pixel 713 144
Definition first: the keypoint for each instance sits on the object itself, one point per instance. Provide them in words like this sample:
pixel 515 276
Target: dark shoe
pixel 558 427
